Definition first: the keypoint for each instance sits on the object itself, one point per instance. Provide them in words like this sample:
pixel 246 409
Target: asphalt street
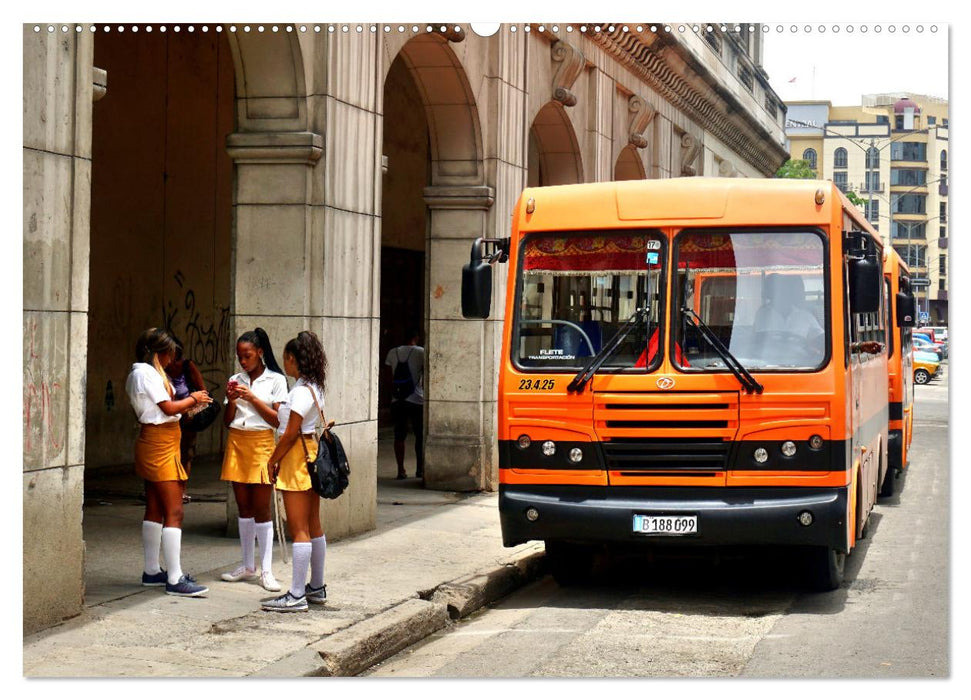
pixel 744 614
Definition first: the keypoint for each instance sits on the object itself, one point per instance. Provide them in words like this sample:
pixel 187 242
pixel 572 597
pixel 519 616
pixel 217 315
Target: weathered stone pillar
pixel 460 391
pixel 58 91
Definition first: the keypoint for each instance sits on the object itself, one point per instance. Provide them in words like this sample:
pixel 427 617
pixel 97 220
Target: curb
pixel 357 648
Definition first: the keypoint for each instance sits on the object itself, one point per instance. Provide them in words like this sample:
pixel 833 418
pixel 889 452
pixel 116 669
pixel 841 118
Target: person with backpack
pixel 407 363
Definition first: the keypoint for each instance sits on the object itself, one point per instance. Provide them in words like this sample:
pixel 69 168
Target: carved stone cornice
pixel 571 65
pixel 690 148
pixel 298 147
pixel 641 114
pixel 669 69
pixel 460 197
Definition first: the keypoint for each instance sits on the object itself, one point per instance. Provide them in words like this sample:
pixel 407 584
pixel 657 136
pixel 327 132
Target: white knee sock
pixel 151 544
pixel 264 535
pixel 172 548
pixel 319 545
pixel 246 534
pixel 301 560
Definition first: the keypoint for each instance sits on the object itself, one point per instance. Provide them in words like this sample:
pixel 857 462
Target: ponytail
pixel 149 346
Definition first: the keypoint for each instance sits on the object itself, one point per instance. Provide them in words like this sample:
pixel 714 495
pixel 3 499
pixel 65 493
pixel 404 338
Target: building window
pixel 908 176
pixel 873 181
pixel 944 122
pixel 943 216
pixel 839 179
pixel 906 229
pixel 745 75
pixel 882 119
pixel 714 42
pixel 909 204
pixel 931 121
pixel 942 265
pixel 943 231
pixel 809 155
pixel 941 285
pixel 943 160
pixel 873 158
pixel 910 151
pixel 839 158
pixel 873 210
pixel 913 255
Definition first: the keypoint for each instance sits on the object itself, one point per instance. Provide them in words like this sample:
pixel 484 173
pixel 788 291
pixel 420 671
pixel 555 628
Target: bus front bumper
pixel 725 516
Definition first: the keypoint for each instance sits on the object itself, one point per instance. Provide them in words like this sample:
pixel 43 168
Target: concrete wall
pixel 58 92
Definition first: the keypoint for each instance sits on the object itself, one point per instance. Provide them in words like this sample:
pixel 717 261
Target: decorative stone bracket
pixel 690 148
pixel 460 197
pixel 642 113
pixel 299 147
pixel 571 65
pixel 99 76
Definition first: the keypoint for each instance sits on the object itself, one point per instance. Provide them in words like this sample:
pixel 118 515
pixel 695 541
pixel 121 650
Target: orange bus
pixel 692 361
pixel 901 319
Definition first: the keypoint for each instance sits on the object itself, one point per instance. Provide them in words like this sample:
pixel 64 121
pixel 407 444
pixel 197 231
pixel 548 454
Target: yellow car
pixel 926 367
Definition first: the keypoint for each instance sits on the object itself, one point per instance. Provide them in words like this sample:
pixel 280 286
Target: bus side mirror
pixel 866 280
pixel 906 310
pixel 476 284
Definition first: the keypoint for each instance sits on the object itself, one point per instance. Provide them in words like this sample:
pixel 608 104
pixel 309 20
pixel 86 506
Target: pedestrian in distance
pixel 253 398
pixel 185 378
pixel 305 361
pixel 158 462
pixel 407 363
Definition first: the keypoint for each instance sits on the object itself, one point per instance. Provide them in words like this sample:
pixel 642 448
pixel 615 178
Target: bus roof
pixel 683 201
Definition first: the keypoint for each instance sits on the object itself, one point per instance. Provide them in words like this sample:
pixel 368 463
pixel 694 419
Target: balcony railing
pixel 867 187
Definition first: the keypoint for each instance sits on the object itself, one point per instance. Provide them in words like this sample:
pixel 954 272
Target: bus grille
pixel 665 455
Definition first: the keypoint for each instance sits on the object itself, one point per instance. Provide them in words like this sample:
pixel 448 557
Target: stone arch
pixel 629 165
pixel 554 153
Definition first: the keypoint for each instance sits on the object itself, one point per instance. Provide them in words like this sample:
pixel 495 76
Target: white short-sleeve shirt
pixel 270 388
pixel 301 401
pixel 146 389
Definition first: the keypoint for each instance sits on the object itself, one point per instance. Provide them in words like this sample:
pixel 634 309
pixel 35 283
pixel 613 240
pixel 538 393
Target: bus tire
pixel 827 567
pixel 889 485
pixel 569 564
pixel 921 376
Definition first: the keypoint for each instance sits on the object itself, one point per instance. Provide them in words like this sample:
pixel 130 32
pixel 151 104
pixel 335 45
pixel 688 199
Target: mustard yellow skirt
pixel 293 474
pixel 246 457
pixel 157 453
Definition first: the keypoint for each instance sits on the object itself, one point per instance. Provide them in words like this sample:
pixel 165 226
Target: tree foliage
pixel 796 169
pixel 855 198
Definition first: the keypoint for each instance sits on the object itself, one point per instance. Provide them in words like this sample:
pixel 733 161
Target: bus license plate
pixel 666 524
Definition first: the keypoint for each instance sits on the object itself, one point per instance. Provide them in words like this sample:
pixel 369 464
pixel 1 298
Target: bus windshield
pixel 761 293
pixel 578 290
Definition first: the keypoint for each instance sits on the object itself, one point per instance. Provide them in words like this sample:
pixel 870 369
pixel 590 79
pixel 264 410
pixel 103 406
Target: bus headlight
pixel 549 448
pixel 788 448
pixel 523 442
pixel 761 455
pixel 816 442
pixel 576 454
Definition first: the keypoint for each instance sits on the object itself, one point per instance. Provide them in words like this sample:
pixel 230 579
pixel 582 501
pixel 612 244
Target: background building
pixel 291 176
pixel 892 151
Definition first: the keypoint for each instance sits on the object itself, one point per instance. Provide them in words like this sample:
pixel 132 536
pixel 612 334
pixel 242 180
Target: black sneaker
pixel 186 587
pixel 286 603
pixel 316 595
pixel 159 579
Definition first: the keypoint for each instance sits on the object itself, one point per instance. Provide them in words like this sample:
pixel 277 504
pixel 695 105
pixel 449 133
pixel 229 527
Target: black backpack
pixel 402 385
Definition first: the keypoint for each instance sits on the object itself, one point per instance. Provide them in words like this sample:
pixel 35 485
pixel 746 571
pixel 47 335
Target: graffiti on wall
pixel 206 344
pixel 40 393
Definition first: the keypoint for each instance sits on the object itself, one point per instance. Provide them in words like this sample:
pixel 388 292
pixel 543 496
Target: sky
pixel 842 65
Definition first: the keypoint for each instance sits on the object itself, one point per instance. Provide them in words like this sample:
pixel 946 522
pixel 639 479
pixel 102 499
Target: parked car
pixel 928 347
pixel 926 367
pixel 941 345
pixel 940 333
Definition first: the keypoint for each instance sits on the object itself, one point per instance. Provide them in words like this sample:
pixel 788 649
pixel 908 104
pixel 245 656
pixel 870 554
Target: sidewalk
pixel 386 590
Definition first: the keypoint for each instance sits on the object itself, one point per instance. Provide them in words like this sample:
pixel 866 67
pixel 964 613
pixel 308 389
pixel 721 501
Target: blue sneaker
pixel 185 588
pixel 316 595
pixel 159 579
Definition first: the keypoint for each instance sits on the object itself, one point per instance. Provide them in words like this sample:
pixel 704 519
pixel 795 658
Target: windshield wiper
pixel 595 362
pixel 745 379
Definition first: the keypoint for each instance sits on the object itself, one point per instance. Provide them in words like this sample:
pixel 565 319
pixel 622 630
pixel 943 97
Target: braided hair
pixel 309 355
pixel 152 343
pixel 261 341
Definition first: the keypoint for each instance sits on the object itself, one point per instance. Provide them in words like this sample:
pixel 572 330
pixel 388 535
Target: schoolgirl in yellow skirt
pixel 158 462
pixel 252 399
pixel 305 361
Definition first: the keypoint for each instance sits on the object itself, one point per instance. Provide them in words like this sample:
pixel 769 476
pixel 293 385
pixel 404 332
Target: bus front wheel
pixel 569 563
pixel 827 566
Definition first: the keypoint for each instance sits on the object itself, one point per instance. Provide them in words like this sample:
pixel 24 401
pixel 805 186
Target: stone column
pixel 58 91
pixel 460 384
